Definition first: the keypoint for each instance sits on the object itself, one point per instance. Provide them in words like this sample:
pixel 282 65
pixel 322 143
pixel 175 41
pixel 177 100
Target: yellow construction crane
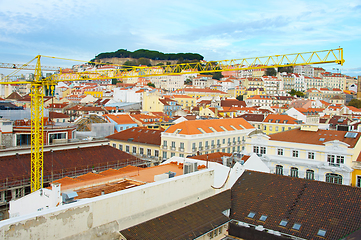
pixel 39 84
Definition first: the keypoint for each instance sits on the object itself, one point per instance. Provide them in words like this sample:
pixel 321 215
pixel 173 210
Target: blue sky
pixel 215 29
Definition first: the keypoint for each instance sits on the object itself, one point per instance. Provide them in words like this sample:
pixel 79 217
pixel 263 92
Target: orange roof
pixel 193 127
pixel 318 138
pixel 278 118
pixel 120 118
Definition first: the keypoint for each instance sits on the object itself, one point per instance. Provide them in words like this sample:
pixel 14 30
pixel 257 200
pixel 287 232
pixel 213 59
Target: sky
pixel 217 30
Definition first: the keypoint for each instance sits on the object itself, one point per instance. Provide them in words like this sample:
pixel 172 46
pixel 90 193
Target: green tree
pixel 293 92
pixel 188 81
pixel 151 85
pixel 217 75
pixel 239 97
pixel 144 61
pixel 355 103
pixel 270 72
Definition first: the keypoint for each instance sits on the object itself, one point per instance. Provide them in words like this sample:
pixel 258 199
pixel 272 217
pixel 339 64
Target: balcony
pixel 194 149
pixel 234 143
pixel 164 147
pixel 200 148
pixel 181 149
pixel 218 145
pixel 334 164
pixel 206 147
pixel 173 148
pixel 213 146
pixel 229 143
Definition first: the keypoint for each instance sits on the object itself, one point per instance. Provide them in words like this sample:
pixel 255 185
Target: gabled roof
pixel 232 102
pixel 57 115
pixel 253 117
pixel 314 205
pixel 278 118
pixel 318 138
pixel 14 96
pixel 193 127
pixel 185 223
pixel 138 134
pixel 120 118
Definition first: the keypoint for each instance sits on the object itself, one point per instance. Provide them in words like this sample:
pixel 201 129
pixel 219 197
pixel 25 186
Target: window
pixel 181 145
pixel 156 153
pixel 120 147
pixel 165 143
pixel 333 178
pixel 173 144
pixel 294 172
pixel 283 223
pixel 280 151
pixel 264 127
pixel 206 144
pixel 263 218
pixel 256 149
pixel 181 155
pixel 276 128
pixel 224 141
pixel 270 128
pixel 358 181
pixel 294 153
pixel 321 233
pixel 296 226
pixel 164 155
pixel 279 169
pixel 134 149
pixel 251 214
pixel 114 145
pixel 263 150
pixel 311 155
pixel 172 154
pixel 194 145
pixel 334 160
pixel 310 174
pixel 149 152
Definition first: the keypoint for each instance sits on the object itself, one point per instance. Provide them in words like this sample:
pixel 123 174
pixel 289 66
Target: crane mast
pixel 39 84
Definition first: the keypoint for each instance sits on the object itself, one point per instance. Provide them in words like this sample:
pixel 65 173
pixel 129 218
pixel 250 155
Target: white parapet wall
pixel 104 216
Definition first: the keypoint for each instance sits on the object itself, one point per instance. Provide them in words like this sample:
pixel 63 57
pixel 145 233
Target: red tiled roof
pixel 278 118
pixel 192 127
pixel 309 137
pixel 138 134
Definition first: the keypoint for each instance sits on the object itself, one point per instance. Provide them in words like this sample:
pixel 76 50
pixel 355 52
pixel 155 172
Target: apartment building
pixel 138 141
pixel 308 152
pixel 204 136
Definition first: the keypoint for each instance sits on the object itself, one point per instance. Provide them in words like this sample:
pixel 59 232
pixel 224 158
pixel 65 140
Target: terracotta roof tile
pixel 193 127
pixel 138 134
pixel 313 204
pixel 309 137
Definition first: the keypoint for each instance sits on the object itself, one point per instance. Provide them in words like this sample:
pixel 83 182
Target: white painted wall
pixel 104 216
pixel 37 201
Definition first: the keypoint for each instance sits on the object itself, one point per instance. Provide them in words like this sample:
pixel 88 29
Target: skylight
pixel 283 223
pixel 213 130
pixel 233 127
pixel 321 233
pixel 251 214
pixel 322 139
pixel 296 226
pixel 201 130
pixel 263 218
pixel 350 135
pixel 223 128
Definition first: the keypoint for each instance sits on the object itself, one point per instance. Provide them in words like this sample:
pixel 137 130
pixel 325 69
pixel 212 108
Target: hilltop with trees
pixel 146 57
